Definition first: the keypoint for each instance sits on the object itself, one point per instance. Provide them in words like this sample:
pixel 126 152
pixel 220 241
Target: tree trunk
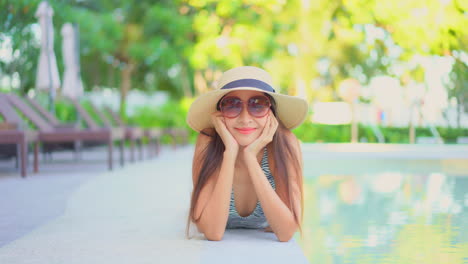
pixel 200 82
pixel 186 82
pixel 459 112
pixel 354 123
pixel 412 133
pixel 412 130
pixel 125 86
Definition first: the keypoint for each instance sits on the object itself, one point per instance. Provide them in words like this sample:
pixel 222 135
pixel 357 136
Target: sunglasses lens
pixel 231 106
pixel 258 106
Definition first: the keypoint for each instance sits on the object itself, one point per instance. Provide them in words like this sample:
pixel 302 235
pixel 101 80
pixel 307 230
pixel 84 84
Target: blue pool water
pixel 377 211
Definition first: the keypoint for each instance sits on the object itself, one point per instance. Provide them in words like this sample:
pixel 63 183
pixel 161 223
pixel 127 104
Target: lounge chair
pixel 14 142
pixel 152 134
pixel 177 135
pixel 132 134
pixel 51 134
pixel 48 148
pixel 91 123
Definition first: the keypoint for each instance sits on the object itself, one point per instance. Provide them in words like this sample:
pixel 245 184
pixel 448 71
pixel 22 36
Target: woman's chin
pixel 245 141
pixel 242 144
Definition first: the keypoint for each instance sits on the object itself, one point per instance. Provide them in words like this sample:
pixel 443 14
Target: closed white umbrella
pixel 47 77
pixel 72 85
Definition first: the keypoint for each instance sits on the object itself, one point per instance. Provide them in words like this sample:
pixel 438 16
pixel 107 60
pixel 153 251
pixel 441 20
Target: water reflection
pixel 387 217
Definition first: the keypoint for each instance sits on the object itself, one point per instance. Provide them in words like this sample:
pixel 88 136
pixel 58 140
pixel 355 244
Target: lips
pixel 245 130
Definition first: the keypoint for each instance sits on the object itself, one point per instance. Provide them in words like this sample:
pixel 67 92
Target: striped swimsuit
pixel 257 219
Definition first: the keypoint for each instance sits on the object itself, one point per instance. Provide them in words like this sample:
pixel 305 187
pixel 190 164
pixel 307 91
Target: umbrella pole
pixel 49 66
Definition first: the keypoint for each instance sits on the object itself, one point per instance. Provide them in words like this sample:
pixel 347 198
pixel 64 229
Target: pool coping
pixel 386 151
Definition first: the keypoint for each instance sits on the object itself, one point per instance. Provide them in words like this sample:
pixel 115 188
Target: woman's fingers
pixel 223 132
pixel 267 134
pixel 217 122
pixel 266 128
pixel 271 124
pixel 271 131
pixel 275 123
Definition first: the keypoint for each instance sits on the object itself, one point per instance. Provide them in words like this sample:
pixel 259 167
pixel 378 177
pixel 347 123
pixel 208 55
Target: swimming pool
pixel 366 210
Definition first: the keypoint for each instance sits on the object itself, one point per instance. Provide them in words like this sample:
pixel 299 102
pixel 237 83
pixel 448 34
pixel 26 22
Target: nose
pixel 244 115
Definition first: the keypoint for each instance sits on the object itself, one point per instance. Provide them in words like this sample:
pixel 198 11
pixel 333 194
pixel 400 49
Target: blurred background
pixel 372 71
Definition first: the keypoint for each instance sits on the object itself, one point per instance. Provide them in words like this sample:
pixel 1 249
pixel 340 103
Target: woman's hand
pixel 230 143
pixel 265 137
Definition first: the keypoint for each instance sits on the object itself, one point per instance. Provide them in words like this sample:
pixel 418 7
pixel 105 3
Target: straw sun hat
pixel 290 109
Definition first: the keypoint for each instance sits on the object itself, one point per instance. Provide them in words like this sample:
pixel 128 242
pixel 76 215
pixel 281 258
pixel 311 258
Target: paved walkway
pixel 82 213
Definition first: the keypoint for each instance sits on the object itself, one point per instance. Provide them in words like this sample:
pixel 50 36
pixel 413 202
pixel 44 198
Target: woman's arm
pixel 213 204
pixel 279 216
pixel 213 213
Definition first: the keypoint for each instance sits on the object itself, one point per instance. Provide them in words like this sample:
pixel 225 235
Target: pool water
pixel 392 212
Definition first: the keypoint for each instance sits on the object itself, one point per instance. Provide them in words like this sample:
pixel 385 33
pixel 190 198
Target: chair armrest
pixel 69 126
pixel 8 126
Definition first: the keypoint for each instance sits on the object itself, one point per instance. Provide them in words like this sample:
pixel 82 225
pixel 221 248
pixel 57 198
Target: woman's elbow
pixel 211 230
pixel 286 236
pixel 214 235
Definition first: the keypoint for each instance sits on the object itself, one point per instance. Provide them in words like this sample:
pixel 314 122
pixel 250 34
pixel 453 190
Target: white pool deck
pixel 80 213
pixel 135 214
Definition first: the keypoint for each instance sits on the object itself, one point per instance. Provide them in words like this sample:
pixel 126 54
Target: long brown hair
pixel 286 163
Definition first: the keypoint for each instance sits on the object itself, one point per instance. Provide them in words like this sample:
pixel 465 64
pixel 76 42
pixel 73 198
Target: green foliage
pixel 173 114
pixel 90 109
pixel 450 134
pixel 65 112
pixel 309 132
pixel 182 46
pixel 169 115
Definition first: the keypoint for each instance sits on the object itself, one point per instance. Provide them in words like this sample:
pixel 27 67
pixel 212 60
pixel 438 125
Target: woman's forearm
pixel 214 217
pixel 279 217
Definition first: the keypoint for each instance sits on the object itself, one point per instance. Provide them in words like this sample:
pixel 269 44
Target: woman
pixel 247 165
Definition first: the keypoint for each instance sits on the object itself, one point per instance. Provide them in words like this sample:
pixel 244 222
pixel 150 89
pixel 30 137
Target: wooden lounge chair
pixel 90 122
pixel 48 148
pixel 132 134
pixel 152 134
pixel 13 141
pixel 177 135
pixel 51 134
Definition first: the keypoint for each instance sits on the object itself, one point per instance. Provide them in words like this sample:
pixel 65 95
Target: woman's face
pixel 246 128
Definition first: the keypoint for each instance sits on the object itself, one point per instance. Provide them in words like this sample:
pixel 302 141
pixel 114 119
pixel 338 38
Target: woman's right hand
pixel 230 143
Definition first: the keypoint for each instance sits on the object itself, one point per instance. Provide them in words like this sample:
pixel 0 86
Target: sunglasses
pixel 257 106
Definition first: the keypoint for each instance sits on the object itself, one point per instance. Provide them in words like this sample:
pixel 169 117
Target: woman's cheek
pixel 233 132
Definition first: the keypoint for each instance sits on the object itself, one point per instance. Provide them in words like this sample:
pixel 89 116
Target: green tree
pixel 182 46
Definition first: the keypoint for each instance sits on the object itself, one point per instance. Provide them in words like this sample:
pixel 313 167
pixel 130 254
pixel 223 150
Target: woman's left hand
pixel 265 137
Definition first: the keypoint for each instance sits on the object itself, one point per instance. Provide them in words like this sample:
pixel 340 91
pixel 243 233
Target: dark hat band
pixel 254 83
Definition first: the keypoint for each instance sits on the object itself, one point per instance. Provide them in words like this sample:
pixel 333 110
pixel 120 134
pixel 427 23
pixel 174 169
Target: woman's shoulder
pixel 204 138
pixel 292 139
pixel 290 135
